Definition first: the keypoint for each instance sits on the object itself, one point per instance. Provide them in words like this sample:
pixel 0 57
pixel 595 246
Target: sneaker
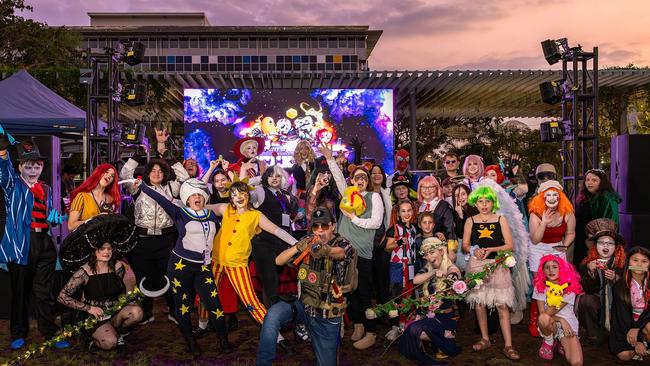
pixel 393 333
pixel 301 332
pixel 62 345
pixel 18 343
pixel 546 351
pixel 172 318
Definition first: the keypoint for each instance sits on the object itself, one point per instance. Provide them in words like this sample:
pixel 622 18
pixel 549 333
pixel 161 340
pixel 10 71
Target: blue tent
pixel 29 107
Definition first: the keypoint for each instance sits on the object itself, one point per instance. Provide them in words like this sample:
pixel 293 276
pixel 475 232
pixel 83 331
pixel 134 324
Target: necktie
pixel 427 207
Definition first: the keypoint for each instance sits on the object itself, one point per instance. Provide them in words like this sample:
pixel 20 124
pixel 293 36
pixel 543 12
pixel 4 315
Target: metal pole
pixel 574 122
pixel 413 132
pixel 109 122
pixel 596 157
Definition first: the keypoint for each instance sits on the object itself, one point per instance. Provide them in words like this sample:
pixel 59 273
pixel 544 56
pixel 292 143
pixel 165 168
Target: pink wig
pixel 429 180
pixel 568 274
pixel 476 159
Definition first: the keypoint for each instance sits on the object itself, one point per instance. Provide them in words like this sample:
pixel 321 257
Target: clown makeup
pixel 490 174
pixel 239 199
pixel 639 264
pixel 360 179
pixel 552 199
pixel 219 182
pixel 275 181
pixel 592 182
pixel 196 202
pixel 30 171
pixel 605 246
pixel 401 192
pixel 406 212
pixel 551 270
pixel 249 149
pixel 473 168
pixel 426 225
pixel 484 206
pixel 104 253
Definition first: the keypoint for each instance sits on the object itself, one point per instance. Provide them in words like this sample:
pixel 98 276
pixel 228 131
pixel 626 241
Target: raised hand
pixel 324 149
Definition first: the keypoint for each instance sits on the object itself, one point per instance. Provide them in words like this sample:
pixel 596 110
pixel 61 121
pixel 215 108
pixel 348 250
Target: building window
pixel 233 43
pixel 313 42
pixel 194 43
pixel 284 43
pixel 273 43
pixel 322 43
pixel 102 43
pixel 214 43
pixel 243 43
pixel 223 42
pixel 263 43
pixel 332 43
pixel 183 43
pixel 252 43
pixel 361 43
pixel 92 43
pixel 164 43
pixel 173 43
pixel 293 43
pixel 302 43
pixel 203 43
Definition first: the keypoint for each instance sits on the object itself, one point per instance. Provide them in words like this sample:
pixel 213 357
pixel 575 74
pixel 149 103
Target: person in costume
pixel 462 211
pixel 360 230
pixel 552 231
pixel 426 229
pixel 430 199
pixel 451 163
pixel 489 233
pixel 303 165
pixel 192 168
pixel 630 334
pixel 189 263
pixel 93 252
pixel 556 286
pixel 155 228
pixel 440 329
pixel 402 158
pixel 321 306
pixel 601 268
pixel 322 191
pixel 249 165
pixel 380 259
pixel 402 188
pixel 473 170
pixel 216 166
pixel 27 248
pixel 597 199
pixel 98 194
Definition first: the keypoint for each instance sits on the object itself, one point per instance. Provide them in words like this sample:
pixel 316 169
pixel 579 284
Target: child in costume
pixel 400 244
pixel 189 262
pixel 556 286
pixel 490 233
pixel 630 334
pixel 430 199
pixel 249 165
pixel 440 329
pixel 603 266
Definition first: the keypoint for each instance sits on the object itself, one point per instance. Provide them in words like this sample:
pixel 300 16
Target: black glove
pixel 401 242
pixel 4 142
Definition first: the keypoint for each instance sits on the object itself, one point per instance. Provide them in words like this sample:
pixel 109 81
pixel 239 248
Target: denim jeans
pixel 324 333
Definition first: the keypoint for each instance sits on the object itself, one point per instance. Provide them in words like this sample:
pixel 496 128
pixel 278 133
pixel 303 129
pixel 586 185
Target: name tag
pixel 286 220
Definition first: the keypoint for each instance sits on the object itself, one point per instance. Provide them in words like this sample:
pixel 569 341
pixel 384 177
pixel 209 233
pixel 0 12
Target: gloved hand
pixel 56 218
pixel 401 241
pixel 320 250
pixel 304 243
pixel 6 139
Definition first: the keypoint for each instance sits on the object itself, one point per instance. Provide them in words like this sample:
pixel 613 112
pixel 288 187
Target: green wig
pixel 484 192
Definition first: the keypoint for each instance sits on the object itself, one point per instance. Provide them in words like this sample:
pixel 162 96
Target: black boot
pixel 223 345
pixel 193 346
pixel 233 322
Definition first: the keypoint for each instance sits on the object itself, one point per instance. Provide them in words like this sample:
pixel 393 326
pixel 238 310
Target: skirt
pixel 537 251
pixel 496 289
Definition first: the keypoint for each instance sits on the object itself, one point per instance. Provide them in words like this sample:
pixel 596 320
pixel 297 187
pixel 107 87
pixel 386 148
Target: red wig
pixel 500 176
pixel 537 205
pixel 619 257
pixel 567 274
pixel 91 182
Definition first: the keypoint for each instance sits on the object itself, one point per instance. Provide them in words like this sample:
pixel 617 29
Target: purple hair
pixel 567 273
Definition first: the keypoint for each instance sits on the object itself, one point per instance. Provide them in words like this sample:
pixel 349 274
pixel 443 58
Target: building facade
pixel 187 42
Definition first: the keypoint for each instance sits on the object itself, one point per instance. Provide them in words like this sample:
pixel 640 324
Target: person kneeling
pixel 324 278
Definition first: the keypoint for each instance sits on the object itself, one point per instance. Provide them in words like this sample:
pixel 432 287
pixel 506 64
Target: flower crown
pixel 430 244
pixel 236 179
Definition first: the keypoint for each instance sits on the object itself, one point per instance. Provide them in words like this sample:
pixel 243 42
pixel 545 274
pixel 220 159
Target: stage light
pixel 554 131
pixel 556 50
pixel 132 53
pixel 85 76
pixel 133 133
pixel 133 94
pixel 551 91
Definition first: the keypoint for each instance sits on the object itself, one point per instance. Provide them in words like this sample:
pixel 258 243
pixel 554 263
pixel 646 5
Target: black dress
pixel 102 290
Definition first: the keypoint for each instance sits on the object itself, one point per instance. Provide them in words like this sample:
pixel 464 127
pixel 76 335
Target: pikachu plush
pixel 554 294
pixel 353 201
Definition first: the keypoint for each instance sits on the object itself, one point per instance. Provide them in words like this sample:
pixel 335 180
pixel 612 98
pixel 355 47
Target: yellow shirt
pixel 232 244
pixel 85 204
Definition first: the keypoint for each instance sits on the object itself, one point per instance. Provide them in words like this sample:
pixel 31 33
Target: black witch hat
pixel 28 150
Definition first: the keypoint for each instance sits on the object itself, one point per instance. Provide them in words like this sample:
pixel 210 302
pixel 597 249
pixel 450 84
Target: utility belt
pixel 319 291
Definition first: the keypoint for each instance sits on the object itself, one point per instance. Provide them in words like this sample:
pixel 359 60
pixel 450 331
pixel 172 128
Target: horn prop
pixel 153 294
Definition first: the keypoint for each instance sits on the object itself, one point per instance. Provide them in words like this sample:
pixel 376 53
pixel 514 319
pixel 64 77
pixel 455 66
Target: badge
pixel 302 274
pixel 312 278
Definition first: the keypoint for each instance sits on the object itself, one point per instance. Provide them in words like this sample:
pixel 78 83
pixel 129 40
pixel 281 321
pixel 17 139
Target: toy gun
pixel 304 256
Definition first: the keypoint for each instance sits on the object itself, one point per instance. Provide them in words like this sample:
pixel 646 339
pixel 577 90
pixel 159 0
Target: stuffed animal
pixel 352 201
pixel 554 294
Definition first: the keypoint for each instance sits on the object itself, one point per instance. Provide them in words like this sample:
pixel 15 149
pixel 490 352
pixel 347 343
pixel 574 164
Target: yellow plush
pixel 352 201
pixel 554 294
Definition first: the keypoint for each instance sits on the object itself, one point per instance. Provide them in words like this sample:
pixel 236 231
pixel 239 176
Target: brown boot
pixel 366 342
pixel 359 330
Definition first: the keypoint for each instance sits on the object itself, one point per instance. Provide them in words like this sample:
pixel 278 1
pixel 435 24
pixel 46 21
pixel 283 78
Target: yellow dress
pixel 232 244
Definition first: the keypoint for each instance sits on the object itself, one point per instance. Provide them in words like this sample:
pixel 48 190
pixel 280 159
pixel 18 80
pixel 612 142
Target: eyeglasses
pixel 606 243
pixel 450 162
pixel 545 175
pixel 320 226
pixel 360 177
pixel 428 187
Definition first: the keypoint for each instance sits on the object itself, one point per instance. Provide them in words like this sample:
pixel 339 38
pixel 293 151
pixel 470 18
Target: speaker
pixel 630 172
pixel 635 229
pixel 551 92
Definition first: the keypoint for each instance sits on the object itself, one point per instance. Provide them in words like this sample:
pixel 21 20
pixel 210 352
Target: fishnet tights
pixel 105 337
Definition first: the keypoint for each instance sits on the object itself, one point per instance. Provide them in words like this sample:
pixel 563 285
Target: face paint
pixel 239 199
pixel 552 199
pixel 31 171
pixel 249 149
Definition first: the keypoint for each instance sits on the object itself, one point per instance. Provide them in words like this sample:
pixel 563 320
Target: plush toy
pixel 554 294
pixel 352 201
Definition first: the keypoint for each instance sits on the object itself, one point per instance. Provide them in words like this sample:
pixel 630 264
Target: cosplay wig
pixel 164 167
pixel 537 205
pixel 618 256
pixel 91 182
pixel 311 156
pixel 624 291
pixel 484 192
pixel 394 212
pixel 383 174
pixel 430 244
pixel 500 177
pixel 276 170
pixel 567 274
pixel 432 181
pixel 476 159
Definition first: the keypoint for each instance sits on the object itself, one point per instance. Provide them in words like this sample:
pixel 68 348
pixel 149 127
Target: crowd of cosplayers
pixel 317 247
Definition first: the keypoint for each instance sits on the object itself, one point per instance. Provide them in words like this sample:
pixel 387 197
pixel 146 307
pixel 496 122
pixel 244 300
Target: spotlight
pixel 554 131
pixel 131 53
pixel 133 133
pixel 556 50
pixel 133 94
pixel 551 91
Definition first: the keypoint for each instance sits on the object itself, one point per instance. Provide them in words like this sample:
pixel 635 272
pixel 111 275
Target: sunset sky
pixel 421 34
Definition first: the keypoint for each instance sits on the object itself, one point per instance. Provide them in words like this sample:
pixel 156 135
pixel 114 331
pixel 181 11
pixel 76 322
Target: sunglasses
pixel 360 177
pixel 320 226
pixel 450 162
pixel 545 175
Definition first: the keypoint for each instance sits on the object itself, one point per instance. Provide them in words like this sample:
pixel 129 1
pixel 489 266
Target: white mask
pixel 31 171
pixel 552 199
